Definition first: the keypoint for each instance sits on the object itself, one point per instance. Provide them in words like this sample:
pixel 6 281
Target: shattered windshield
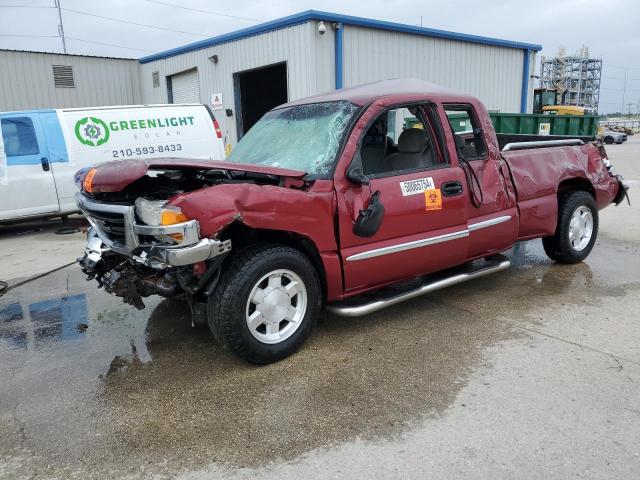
pixel 303 137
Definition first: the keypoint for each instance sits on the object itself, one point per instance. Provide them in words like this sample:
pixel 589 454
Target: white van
pixel 40 150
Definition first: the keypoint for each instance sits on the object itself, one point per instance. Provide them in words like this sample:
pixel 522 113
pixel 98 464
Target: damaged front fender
pixel 305 212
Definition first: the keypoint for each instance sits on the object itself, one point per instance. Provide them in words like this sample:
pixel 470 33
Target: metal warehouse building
pixel 31 80
pixel 257 68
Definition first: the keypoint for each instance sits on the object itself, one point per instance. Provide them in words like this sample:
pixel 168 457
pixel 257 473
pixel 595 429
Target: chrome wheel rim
pixel 276 306
pixel 580 228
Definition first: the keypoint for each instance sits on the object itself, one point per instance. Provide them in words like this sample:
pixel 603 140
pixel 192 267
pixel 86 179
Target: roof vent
pixel 63 76
pixel 155 76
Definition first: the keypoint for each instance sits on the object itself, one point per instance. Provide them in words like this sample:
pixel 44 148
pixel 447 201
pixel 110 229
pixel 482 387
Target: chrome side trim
pixel 541 144
pixel 499 263
pixel 489 223
pixel 408 246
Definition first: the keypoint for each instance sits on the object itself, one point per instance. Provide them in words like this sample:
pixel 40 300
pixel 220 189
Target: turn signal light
pixel 171 217
pixel 87 184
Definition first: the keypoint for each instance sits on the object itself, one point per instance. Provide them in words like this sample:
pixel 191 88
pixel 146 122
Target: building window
pixel 19 137
pixel 155 76
pixel 63 76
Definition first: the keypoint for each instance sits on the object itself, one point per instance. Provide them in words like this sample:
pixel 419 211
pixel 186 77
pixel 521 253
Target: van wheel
pixel 266 304
pixel 576 231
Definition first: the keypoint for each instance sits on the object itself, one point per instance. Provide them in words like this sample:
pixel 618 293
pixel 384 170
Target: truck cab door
pixel 492 207
pixel 424 225
pixel 28 188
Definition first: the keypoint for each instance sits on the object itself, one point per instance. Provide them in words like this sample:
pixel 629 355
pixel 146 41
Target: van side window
pixel 466 132
pixel 19 137
pixel 399 140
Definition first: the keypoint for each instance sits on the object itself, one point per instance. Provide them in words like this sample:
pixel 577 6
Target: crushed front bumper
pixel 114 228
pixel 623 191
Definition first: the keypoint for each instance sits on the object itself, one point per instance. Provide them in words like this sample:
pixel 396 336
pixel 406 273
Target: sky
pixel 610 28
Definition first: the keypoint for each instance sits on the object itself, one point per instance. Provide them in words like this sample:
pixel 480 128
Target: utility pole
pixel 629 105
pixel 624 90
pixel 61 27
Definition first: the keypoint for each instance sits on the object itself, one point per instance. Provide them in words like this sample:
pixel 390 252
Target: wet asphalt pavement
pixel 529 373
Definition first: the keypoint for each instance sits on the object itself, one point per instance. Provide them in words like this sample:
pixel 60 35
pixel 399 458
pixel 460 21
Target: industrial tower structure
pixel 576 78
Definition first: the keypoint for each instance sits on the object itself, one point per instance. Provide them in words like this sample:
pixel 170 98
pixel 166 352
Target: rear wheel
pixel 576 230
pixel 266 304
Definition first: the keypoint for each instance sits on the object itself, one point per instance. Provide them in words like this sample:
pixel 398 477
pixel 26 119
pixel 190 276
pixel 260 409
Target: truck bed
pixel 539 173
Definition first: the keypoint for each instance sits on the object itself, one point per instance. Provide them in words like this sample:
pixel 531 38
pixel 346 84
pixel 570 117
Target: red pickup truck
pixel 329 197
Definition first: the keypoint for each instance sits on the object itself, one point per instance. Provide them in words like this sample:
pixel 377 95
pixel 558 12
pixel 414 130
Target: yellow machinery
pixel 565 110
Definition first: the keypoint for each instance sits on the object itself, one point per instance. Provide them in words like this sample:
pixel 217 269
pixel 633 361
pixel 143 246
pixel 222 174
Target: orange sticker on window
pixel 433 199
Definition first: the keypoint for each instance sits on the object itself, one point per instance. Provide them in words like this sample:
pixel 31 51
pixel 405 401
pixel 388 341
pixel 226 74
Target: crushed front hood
pixel 116 175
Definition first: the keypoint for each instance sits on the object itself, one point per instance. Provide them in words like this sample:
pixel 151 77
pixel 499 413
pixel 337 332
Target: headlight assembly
pixel 158 213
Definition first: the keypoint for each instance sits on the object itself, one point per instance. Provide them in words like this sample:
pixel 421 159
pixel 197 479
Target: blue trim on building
pixel 524 95
pixel 339 55
pixel 310 15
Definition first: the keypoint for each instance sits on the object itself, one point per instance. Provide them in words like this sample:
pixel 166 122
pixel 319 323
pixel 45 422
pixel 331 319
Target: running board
pixel 495 264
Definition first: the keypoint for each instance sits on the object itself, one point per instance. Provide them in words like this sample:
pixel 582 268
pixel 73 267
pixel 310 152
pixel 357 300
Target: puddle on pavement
pixel 134 387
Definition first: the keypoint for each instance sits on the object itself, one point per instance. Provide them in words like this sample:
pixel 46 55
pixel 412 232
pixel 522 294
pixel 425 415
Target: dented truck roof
pixel 400 89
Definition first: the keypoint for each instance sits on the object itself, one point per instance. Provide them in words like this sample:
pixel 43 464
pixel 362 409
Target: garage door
pixel 185 87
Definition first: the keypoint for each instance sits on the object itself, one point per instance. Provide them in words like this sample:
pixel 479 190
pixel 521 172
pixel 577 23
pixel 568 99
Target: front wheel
pixel 576 230
pixel 266 304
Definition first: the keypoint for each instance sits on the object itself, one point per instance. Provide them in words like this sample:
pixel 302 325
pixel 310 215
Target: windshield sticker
pixel 433 199
pixel 414 187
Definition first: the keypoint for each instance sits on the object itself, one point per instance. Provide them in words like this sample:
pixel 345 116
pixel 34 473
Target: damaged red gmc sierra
pixel 333 196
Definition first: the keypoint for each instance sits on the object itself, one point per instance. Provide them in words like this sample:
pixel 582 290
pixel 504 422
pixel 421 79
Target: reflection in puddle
pixel 42 321
pixel 10 328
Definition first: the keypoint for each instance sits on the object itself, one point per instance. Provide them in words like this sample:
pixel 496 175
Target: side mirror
pixel 370 219
pixel 356 175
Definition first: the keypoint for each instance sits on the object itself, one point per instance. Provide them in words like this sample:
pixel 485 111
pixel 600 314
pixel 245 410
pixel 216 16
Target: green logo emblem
pixel 92 131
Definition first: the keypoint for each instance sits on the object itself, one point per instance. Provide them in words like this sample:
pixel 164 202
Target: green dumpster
pixel 525 124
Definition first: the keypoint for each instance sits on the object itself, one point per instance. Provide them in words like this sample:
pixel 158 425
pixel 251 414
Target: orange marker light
pixel 87 185
pixel 171 217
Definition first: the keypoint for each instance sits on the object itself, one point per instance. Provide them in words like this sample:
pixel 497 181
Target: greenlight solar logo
pixel 92 131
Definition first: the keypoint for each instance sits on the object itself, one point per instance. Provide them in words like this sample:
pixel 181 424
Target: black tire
pixel 608 140
pixel 558 246
pixel 227 308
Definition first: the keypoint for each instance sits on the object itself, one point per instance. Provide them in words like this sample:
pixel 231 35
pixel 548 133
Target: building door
pixel 256 92
pixel 184 87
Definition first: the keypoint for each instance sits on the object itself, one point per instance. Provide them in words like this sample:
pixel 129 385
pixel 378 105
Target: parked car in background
pixel 331 197
pixel 40 150
pixel 610 136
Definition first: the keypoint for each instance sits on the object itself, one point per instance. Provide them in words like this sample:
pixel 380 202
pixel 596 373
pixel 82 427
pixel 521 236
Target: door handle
pixel 450 189
pixel 45 163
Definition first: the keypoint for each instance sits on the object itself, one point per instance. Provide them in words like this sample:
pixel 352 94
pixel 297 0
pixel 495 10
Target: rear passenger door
pixel 28 187
pixel 424 228
pixel 492 211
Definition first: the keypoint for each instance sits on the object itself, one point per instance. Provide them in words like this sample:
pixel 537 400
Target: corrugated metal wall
pixel 493 74
pixel 309 57
pixel 26 81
